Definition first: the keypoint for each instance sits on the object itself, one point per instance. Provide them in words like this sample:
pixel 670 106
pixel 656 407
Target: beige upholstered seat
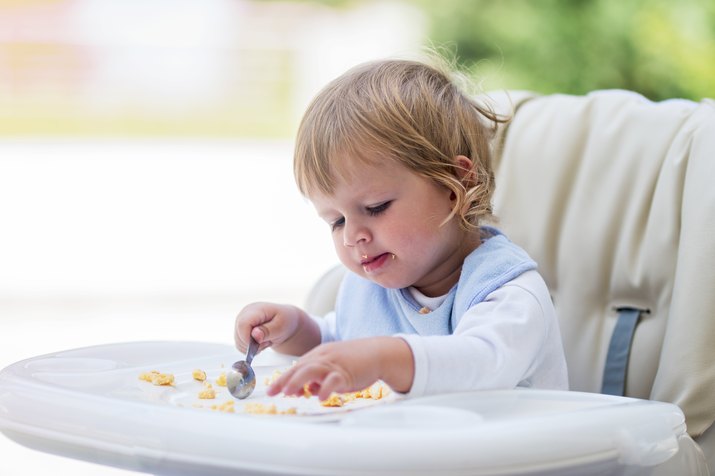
pixel 614 197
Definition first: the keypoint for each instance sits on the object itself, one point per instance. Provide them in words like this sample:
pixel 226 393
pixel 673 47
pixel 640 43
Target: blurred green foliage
pixel 660 48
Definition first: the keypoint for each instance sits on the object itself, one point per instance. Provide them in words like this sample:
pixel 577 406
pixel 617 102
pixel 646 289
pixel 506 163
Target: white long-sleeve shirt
pixel 509 339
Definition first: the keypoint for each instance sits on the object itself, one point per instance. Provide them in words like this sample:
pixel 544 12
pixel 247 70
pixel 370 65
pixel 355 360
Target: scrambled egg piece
pixel 376 391
pixel 157 378
pixel 208 392
pixel 221 380
pixel 256 408
pixel 199 375
pixel 333 400
pixel 226 407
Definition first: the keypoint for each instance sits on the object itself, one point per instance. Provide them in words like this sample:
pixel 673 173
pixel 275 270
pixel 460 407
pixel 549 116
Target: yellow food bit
pixel 157 378
pixel 378 391
pixel 221 380
pixel 146 376
pixel 365 393
pixel 199 375
pixel 257 408
pixel 226 407
pixel 333 400
pixel 260 408
pixel 208 392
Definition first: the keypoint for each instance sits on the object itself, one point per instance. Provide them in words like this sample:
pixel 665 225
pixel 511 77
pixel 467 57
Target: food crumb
pixel 226 407
pixel 198 375
pixel 221 380
pixel 208 392
pixel 257 408
pixel 157 378
pixel 333 400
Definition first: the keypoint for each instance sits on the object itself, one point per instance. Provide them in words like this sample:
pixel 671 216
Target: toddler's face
pixel 385 223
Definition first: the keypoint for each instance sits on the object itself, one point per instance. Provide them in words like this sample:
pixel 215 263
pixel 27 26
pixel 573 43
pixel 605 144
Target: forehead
pixel 350 168
pixel 365 180
pixel 372 172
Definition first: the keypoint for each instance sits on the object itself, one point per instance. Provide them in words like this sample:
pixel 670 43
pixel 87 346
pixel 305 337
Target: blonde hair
pixel 407 111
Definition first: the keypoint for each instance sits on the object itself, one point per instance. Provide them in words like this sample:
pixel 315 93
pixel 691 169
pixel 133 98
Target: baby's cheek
pixel 347 259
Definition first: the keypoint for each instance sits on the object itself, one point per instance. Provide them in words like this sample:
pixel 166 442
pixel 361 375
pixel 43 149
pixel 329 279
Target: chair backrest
pixel 614 196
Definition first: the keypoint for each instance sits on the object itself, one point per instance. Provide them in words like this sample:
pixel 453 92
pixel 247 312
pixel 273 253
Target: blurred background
pixel 146 187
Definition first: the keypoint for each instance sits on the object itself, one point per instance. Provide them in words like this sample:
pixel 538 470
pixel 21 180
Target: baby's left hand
pixel 341 367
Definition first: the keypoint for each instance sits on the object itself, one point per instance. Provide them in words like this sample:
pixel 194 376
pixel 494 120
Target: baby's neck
pixel 452 270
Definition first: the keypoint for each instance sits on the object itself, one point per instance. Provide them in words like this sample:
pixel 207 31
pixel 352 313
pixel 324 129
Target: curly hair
pixel 409 111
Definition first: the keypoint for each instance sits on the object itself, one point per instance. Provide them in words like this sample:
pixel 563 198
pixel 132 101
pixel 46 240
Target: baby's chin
pixel 387 278
pixel 386 282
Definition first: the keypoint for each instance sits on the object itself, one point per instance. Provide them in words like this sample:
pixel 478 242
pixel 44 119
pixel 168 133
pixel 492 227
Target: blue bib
pixel 366 309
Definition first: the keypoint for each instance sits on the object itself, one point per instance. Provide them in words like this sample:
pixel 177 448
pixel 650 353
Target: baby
pixel 395 158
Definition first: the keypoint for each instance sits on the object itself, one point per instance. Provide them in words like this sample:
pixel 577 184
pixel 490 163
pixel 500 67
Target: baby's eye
pixel 337 224
pixel 377 209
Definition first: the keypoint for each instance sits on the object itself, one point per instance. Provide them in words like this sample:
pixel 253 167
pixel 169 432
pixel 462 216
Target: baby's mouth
pixel 371 264
pixel 369 259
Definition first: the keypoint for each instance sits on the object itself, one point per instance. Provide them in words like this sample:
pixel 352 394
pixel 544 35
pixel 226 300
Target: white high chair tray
pixel 90 404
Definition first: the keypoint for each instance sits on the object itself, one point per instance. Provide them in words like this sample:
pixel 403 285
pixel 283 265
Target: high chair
pixel 610 193
pixel 613 195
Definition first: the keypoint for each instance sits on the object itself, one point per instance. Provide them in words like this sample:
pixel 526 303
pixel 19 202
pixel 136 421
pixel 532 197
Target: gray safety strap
pixel 614 374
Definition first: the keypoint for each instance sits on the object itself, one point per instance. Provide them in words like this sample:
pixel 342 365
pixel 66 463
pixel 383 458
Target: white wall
pixel 112 241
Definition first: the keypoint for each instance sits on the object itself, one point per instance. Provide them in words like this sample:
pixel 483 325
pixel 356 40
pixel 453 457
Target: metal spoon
pixel 241 380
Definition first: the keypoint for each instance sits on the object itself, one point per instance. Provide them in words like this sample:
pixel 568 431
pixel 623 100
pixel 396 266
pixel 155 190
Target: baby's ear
pixel 465 172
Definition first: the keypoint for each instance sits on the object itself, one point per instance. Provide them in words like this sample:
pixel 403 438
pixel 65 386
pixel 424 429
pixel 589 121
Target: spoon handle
pixel 252 348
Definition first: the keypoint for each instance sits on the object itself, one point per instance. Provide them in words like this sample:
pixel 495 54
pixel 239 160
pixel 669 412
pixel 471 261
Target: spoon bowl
pixel 241 379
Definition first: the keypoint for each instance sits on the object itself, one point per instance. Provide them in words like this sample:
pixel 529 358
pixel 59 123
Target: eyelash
pixel 376 210
pixel 372 211
pixel 337 224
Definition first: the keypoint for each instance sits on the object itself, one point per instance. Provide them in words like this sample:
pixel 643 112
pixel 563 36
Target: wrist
pixel 396 363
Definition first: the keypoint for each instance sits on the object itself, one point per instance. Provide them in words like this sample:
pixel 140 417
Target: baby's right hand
pixel 276 325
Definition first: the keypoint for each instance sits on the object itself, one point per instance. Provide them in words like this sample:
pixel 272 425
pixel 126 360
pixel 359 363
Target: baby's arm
pixel 288 329
pixel 349 366
pixel 510 338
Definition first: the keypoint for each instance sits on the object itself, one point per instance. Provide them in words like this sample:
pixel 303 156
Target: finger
pixel 305 374
pixel 334 382
pixel 273 389
pixel 261 333
pixel 313 388
pixel 251 317
pixel 277 386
